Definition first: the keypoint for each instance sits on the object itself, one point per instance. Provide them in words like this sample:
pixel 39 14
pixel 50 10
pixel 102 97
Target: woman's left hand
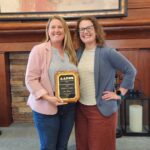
pixel 108 95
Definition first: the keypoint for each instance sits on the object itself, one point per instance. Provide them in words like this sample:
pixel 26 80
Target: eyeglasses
pixel 88 29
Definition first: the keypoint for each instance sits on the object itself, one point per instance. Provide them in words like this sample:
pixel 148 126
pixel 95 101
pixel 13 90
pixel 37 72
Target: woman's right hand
pixel 53 100
pixel 57 102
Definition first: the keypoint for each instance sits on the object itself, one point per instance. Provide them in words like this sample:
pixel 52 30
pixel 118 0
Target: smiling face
pixel 56 31
pixel 87 33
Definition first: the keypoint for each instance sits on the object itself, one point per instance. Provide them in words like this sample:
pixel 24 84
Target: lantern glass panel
pixel 137 116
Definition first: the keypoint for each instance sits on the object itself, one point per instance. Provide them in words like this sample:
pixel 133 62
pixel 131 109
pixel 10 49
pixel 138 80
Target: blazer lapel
pixel 48 54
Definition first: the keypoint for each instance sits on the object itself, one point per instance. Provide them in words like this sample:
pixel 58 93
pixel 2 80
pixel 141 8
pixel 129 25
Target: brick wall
pixel 21 112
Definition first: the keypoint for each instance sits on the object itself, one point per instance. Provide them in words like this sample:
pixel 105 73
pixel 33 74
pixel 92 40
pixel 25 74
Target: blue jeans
pixel 54 130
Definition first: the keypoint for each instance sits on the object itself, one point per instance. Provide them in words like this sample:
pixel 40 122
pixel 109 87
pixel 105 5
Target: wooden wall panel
pixel 132 4
pixel 139 14
pixel 129 43
pixel 140 59
pixel 144 71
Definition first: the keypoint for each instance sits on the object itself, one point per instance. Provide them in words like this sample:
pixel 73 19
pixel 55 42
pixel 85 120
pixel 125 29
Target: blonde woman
pixel 53 118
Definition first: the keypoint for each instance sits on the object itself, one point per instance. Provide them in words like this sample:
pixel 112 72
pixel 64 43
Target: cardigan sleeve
pixel 121 63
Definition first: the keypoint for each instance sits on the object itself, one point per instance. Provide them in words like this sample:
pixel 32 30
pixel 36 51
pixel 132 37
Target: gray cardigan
pixel 107 62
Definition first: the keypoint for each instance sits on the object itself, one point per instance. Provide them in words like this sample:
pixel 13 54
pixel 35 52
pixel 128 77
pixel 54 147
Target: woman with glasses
pixel 96 115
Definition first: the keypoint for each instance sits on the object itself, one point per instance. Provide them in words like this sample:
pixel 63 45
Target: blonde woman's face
pixel 87 32
pixel 56 31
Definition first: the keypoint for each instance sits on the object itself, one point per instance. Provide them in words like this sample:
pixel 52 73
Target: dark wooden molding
pixel 5 97
pixel 72 24
pixel 17 47
pixel 38 34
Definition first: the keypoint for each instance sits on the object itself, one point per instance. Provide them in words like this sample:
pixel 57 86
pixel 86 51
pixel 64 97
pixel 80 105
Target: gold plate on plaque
pixel 67 86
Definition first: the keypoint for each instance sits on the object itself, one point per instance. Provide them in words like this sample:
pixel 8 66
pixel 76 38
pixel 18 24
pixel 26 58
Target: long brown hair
pixel 100 34
pixel 67 42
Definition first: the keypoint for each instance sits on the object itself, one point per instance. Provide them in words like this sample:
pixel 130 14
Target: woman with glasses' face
pixel 87 34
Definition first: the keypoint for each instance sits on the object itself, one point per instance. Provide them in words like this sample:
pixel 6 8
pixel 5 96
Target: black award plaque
pixel 67 86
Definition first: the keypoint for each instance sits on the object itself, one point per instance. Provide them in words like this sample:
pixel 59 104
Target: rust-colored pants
pixel 93 130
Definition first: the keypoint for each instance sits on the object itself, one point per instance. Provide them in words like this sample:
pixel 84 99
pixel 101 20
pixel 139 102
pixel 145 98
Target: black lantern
pixel 119 131
pixel 136 115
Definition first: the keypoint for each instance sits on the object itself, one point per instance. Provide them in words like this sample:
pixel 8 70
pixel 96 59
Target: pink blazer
pixel 37 79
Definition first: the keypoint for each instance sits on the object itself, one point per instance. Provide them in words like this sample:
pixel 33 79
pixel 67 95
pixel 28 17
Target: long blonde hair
pixel 67 42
